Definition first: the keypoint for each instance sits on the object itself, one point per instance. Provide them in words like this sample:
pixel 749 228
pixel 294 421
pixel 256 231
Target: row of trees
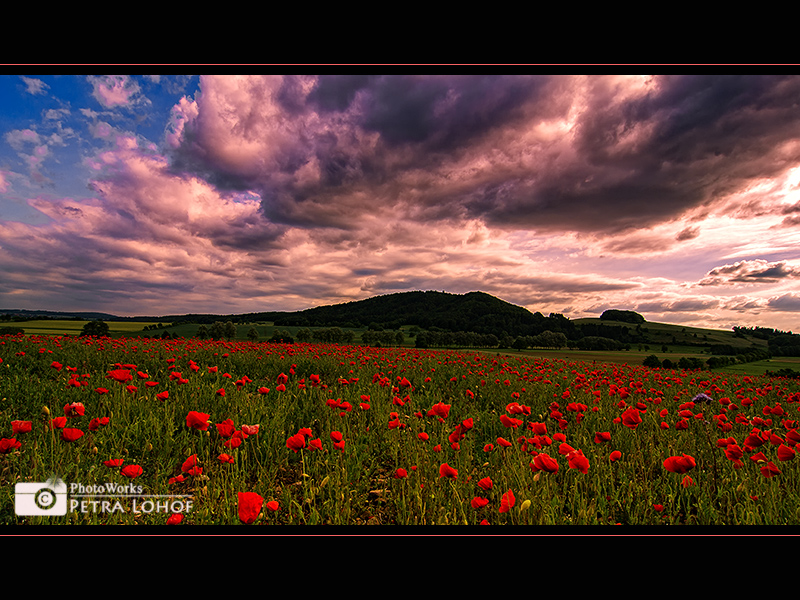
pixel 714 362
pixel 217 331
pixel 383 338
pixel 330 335
pixel 464 339
pixel 780 343
pixel 685 362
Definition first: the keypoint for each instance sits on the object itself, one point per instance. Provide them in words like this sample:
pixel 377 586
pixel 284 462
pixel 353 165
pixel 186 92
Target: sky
pixel 673 195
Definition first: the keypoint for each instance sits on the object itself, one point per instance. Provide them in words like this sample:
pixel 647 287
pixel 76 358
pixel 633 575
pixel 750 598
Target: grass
pixel 380 401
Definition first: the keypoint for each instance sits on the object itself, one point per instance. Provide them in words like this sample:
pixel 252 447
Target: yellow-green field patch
pixel 70 327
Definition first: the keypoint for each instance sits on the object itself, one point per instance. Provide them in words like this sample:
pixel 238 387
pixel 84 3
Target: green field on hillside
pixel 70 327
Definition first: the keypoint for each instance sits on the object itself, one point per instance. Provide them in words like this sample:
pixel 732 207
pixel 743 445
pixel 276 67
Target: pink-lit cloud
pixel 112 91
pixel 751 272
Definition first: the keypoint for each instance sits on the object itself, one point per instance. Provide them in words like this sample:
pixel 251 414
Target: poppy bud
pixel 94 450
pixel 525 506
pixel 45 411
pixel 149 447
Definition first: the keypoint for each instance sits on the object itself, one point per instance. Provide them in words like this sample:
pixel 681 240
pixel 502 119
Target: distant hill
pixel 22 314
pixel 474 311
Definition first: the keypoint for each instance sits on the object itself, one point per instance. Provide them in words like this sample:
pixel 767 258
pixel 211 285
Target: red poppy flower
pixel 197 420
pixel 543 462
pixel 478 502
pixel 631 418
pixel 507 501
pixel 250 505
pixel 687 481
pixel 785 452
pixel 503 442
pixel 485 483
pixel 273 505
pixel 296 442
pixel 510 422
pixel 97 423
pixel 8 444
pixel 538 428
pixel 70 434
pixel 733 452
pixel 114 462
pixel 680 464
pixel 250 429
pixel 770 470
pixel 792 436
pixel 76 409
pixel 336 436
pixel 120 375
pixel 189 463
pixel 578 461
pixel 440 410
pixel 21 427
pixel 615 456
pixel 225 458
pixel 315 444
pixel 162 395
pixel 58 423
pixel 221 392
pixel 446 471
pixel 175 519
pixel 601 437
pixel 132 471
pixel 400 473
pixel 226 428
pixel 565 449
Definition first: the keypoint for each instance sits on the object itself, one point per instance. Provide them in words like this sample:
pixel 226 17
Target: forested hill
pixel 475 311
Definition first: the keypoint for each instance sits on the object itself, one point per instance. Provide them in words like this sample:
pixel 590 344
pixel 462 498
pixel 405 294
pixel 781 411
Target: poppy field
pixel 190 432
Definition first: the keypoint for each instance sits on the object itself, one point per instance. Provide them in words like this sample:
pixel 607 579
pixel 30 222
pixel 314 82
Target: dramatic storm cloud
pixel 676 195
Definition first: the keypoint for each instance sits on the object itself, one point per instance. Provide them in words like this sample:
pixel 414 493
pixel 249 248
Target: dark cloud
pixel 687 142
pixel 631 158
pixel 688 233
pixel 444 113
pixel 786 302
pixel 335 93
